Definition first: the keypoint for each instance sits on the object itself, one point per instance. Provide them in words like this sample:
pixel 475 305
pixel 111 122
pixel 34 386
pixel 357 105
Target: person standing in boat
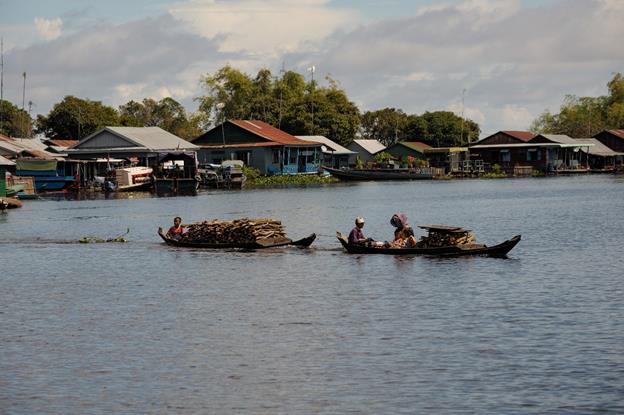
pixel 177 229
pixel 403 234
pixel 357 236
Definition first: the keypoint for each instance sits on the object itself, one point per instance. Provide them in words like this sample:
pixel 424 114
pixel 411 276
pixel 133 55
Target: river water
pixel 146 328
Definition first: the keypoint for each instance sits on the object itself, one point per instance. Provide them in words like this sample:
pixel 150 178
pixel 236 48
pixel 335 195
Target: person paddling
pixel 357 236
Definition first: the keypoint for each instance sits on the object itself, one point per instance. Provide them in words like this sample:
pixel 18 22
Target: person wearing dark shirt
pixel 357 236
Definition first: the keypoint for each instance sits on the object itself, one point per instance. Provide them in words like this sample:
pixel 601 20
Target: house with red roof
pixel 614 139
pixel 501 148
pixel 259 145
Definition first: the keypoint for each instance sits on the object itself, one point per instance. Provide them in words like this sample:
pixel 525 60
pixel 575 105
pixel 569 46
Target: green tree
pixel 75 118
pixel 14 122
pixel 445 129
pixel 387 125
pixel 585 116
pixel 167 114
pixel 287 102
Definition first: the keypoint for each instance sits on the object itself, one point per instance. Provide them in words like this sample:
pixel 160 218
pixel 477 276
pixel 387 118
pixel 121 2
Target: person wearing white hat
pixel 357 236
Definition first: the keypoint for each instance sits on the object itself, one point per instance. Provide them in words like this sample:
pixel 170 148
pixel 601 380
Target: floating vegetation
pixel 95 240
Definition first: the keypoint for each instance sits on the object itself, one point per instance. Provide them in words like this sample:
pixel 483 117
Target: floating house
pixel 366 149
pixel 601 158
pixel 518 153
pixel 145 146
pixel 403 149
pixel 334 155
pixel 4 164
pixel 259 145
pixel 613 139
pixel 454 160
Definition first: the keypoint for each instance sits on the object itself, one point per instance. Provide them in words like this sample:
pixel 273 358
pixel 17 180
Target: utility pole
pixel 30 105
pixel 461 137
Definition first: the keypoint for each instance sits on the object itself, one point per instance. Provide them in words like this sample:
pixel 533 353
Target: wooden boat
pixel 10 203
pixel 497 251
pixel 381 174
pixel 260 244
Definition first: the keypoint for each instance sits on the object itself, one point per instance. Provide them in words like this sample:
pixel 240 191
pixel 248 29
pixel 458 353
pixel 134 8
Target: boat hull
pixel 499 251
pixel 379 174
pixel 268 243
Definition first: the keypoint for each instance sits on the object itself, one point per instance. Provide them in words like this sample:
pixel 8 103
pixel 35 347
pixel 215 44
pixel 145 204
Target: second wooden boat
pixel 498 251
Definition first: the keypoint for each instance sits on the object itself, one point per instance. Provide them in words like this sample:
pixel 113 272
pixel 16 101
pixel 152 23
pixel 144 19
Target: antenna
pixel 23 132
pixel 282 72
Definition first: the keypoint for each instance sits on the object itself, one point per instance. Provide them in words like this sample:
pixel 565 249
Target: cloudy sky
pixel 513 58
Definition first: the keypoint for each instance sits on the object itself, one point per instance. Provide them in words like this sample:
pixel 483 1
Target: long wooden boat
pixel 381 174
pixel 498 251
pixel 261 244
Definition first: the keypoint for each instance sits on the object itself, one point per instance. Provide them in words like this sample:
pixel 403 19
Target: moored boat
pixel 498 251
pixel 381 174
pixel 259 244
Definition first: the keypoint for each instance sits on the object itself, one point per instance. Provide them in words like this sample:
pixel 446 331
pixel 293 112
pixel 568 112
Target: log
pixel 238 231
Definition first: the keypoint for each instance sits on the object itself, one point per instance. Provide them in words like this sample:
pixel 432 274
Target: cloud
pixel 514 61
pixel 262 27
pixel 49 29
pixel 113 64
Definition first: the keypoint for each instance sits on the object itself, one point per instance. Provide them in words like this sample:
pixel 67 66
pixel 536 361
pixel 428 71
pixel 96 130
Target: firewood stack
pixel 239 231
pixel 439 235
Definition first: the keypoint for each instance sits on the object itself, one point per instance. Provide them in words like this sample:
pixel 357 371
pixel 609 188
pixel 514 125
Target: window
pixel 276 156
pixel 292 156
pixel 505 156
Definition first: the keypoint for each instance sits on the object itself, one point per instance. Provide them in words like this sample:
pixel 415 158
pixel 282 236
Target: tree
pixel 586 116
pixel 387 125
pixel 75 118
pixel 289 103
pixel 167 114
pixel 14 122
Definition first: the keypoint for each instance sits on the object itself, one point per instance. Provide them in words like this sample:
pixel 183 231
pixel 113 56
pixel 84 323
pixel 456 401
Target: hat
pixel 359 220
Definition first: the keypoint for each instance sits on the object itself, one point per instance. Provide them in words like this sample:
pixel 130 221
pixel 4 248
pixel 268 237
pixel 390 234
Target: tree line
pixel 585 116
pixel 288 102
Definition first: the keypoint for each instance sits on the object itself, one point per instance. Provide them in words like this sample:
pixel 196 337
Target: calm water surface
pixel 146 328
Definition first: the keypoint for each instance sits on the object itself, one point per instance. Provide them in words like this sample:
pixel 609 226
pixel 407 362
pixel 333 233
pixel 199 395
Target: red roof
pixel 617 133
pixel 271 133
pixel 520 135
pixel 63 143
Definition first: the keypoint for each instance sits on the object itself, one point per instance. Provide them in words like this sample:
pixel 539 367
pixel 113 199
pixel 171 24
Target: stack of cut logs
pixel 239 231
pixel 437 239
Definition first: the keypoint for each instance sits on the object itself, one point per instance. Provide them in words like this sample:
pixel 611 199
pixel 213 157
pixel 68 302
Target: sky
pixel 509 59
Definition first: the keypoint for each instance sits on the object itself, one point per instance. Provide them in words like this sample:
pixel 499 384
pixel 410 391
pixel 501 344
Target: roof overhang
pixel 527 145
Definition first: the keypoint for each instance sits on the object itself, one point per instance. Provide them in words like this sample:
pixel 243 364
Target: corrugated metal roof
pixel 597 148
pixel 415 145
pixel 267 131
pixel 558 138
pixel 333 147
pixel 6 162
pixel 29 146
pixel 150 138
pixel 372 146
